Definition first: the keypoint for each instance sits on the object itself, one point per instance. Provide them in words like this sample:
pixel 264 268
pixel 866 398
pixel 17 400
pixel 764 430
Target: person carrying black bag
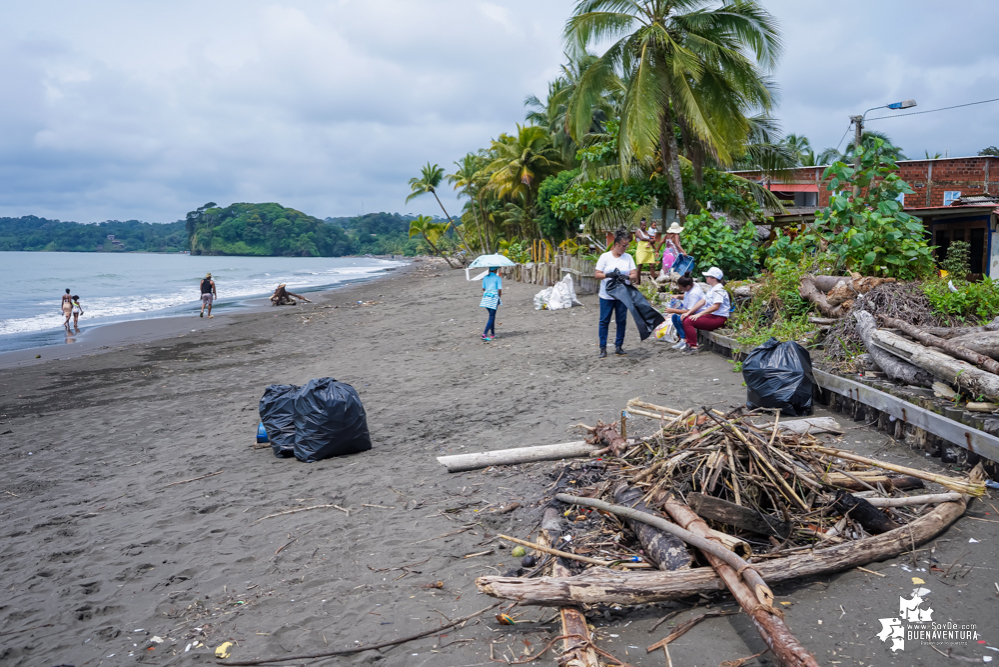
pixel 614 263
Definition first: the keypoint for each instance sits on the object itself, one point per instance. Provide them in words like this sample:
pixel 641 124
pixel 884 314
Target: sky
pixel 113 109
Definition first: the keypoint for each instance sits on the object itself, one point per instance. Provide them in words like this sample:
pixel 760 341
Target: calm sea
pixel 130 286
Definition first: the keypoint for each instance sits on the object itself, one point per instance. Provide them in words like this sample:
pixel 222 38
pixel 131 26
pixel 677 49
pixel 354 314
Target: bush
pixel 776 308
pixel 972 303
pixel 714 243
pixel 958 262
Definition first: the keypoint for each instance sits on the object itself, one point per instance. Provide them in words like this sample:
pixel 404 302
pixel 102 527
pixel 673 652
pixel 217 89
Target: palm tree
pixel 425 226
pixel 935 156
pixel 801 149
pixel 469 178
pixel 431 177
pixel 520 163
pixel 684 62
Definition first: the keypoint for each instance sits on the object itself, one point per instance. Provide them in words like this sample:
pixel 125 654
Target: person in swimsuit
pixel 208 295
pixel 77 311
pixel 67 307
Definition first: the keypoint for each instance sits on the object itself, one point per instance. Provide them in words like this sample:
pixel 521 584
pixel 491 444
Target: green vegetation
pixel 33 233
pixel 958 261
pixel 380 234
pixel 972 303
pixel 867 233
pixel 263 230
pixel 715 243
pixel 776 308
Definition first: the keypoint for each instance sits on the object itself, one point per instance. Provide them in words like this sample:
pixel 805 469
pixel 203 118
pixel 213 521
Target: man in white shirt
pixel 614 260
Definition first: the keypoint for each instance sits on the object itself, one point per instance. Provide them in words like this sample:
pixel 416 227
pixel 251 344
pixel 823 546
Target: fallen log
pixel 576 645
pixel 954 332
pixel 951 370
pixel 859 284
pixel 895 368
pixel 986 342
pixel 809 425
pixel 908 501
pixel 901 482
pixel 731 514
pixel 760 589
pixel 971 485
pixel 863 512
pixel 809 292
pixel 667 552
pixel 502 457
pixel 601 585
pixel 952 347
pixel 769 621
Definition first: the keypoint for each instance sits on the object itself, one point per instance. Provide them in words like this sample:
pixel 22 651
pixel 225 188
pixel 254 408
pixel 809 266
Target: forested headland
pixel 40 234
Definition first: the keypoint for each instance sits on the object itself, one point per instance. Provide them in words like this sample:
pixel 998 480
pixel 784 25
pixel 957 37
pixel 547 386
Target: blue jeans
pixel 491 323
pixel 678 325
pixel 620 316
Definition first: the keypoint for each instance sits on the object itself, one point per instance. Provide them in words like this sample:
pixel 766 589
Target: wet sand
pixel 102 549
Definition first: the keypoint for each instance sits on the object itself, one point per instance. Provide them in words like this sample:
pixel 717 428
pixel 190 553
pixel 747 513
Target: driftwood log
pixel 769 621
pixel 808 425
pixel 731 514
pixel 895 368
pixel 952 347
pixel 867 515
pixel 864 481
pixel 667 552
pixel 607 436
pixel 985 342
pixel 609 586
pixel 954 332
pixel 908 501
pixel 857 283
pixel 809 292
pixel 954 371
pixel 500 457
pixel 282 297
pixel 748 572
pixel 576 645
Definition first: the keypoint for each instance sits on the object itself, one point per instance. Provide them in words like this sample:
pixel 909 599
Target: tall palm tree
pixel 521 162
pixel 469 178
pixel 684 61
pixel 430 178
pixel 424 225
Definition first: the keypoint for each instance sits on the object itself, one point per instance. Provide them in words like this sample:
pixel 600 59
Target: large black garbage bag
pixel 646 317
pixel 277 412
pixel 779 375
pixel 329 421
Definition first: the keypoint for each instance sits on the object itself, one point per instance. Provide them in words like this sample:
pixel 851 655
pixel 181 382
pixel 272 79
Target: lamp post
pixel 858 130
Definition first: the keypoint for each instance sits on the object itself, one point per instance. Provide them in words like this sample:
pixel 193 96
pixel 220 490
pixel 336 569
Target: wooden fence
pixel 547 274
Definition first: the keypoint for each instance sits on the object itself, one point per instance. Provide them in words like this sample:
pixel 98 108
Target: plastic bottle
pixel 262 433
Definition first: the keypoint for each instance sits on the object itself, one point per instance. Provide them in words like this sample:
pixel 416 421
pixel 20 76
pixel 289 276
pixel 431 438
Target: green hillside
pixel 33 233
pixel 263 230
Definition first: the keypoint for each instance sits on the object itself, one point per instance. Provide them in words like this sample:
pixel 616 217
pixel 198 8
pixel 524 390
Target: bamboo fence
pixel 547 274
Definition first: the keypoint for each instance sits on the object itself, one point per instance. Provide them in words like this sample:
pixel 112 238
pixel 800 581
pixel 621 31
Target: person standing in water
pixel 492 290
pixel 77 311
pixel 67 307
pixel 208 295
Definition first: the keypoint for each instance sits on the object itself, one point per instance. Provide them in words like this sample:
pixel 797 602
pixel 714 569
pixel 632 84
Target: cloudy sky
pixel 115 109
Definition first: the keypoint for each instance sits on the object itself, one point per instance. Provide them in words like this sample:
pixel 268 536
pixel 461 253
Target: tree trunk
pixel 873 520
pixel 954 332
pixel 501 457
pixel 576 651
pixel 600 585
pixel 667 552
pixel 958 373
pixel 671 160
pixel 451 222
pixel 950 346
pixel 986 342
pixel 769 622
pixel 895 368
pixel 436 250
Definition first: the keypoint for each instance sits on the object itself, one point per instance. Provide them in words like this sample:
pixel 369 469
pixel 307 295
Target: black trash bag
pixel 329 421
pixel 779 375
pixel 646 317
pixel 277 412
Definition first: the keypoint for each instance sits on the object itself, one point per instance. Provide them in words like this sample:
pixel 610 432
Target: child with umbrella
pixel 492 289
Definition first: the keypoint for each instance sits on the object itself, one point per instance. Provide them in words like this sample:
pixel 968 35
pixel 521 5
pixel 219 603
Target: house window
pixel 950 196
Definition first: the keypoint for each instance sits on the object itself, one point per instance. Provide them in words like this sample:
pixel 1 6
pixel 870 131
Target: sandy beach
pixel 106 544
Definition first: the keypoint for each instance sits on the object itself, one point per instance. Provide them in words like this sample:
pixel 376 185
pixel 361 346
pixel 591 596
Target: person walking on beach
pixel 692 295
pixel 615 260
pixel 645 252
pixel 208 295
pixel 719 307
pixel 492 290
pixel 77 311
pixel 67 307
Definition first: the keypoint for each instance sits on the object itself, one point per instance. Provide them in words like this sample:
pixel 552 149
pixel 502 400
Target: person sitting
pixel 282 297
pixel 719 307
pixel 692 295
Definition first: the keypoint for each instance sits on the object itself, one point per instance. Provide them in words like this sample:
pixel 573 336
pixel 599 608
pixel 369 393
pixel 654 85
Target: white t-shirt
pixel 717 294
pixel 692 296
pixel 607 263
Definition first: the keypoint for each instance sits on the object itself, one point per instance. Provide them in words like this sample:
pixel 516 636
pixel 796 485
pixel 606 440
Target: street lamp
pixel 858 123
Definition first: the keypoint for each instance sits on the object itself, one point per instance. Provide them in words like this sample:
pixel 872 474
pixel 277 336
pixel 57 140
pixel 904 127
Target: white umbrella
pixel 489 261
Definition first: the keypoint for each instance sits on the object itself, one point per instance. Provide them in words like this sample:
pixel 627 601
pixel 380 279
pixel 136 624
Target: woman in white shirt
pixel 693 302
pixel 615 259
pixel 714 316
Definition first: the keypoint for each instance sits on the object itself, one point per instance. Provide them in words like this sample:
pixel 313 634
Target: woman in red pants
pixel 714 316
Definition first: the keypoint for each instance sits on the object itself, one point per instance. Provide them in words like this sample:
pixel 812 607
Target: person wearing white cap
pixel 719 307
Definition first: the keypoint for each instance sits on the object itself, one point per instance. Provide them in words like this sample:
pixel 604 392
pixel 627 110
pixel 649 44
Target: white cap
pixel 714 272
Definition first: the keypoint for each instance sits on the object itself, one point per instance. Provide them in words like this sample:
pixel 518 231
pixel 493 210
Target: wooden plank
pixel 476 460
pixel 950 430
pixel 731 514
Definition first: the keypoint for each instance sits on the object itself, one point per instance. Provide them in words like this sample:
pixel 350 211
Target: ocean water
pixel 128 286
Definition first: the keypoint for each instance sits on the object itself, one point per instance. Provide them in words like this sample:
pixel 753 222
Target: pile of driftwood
pixel 717 501
pixel 282 297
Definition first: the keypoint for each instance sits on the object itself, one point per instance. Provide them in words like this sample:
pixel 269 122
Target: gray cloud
pixel 114 109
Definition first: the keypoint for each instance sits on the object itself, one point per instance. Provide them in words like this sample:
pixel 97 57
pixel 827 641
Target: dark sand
pixel 99 549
